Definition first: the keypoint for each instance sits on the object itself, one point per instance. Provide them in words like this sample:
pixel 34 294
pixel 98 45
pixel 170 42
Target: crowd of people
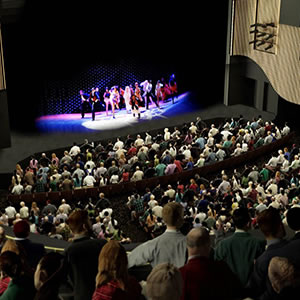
pixel 183 264
pixel 195 228
pixel 131 98
pixel 139 157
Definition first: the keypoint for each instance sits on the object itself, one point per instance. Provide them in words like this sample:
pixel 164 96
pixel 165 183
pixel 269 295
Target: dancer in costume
pixel 84 102
pixel 93 99
pixel 135 106
pixel 127 95
pixel 106 97
pixel 114 99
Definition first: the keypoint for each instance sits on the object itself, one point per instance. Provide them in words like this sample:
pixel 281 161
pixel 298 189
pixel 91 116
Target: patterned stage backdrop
pixel 62 96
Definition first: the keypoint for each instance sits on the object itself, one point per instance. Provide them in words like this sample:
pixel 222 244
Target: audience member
pixel 113 280
pixel 21 285
pixel 241 249
pixel 33 251
pixel 168 247
pixel 48 276
pixel 82 255
pixel 269 222
pixel 164 282
pixel 201 271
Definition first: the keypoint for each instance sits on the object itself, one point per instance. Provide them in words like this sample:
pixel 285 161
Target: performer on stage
pixel 127 95
pixel 114 99
pixel 173 87
pixel 107 101
pixel 137 93
pixel 148 95
pixel 165 90
pixel 93 98
pixel 121 98
pixel 84 102
pixel 158 93
pixel 135 106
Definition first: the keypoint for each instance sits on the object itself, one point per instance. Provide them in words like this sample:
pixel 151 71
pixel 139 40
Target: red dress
pixel 112 290
pixel 4 282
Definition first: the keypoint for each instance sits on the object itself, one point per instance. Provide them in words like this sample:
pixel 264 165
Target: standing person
pixel 48 276
pixel 121 97
pixel 21 283
pixel 173 87
pixel 135 106
pixel 138 93
pixel 84 102
pixel 114 99
pixel 270 223
pixel 148 96
pixel 107 100
pixel 241 249
pixel 200 272
pixel 81 256
pixel 34 251
pixel 127 96
pixel 158 93
pixel 167 247
pixel 164 282
pixel 93 98
pixel 113 280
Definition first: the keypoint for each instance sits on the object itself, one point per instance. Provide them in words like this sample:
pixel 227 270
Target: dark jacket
pixel 81 261
pixel 33 251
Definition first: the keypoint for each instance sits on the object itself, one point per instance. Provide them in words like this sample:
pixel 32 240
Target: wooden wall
pixel 281 63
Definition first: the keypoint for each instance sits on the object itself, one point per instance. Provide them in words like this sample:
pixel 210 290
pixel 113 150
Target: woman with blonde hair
pixel 19 170
pixel 127 95
pixel 112 280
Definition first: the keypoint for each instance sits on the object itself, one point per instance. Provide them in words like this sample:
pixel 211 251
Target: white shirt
pixel 114 179
pixel 137 175
pixel 17 189
pixel 89 180
pixel 74 151
pixel 108 210
pixel 10 212
pixel 167 135
pixel 285 130
pixel 187 153
pixel 24 212
pixel 273 162
pixel 157 211
pixel 139 142
pixel 118 144
pixel 152 203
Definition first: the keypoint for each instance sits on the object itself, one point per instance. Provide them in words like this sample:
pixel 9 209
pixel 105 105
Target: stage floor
pixel 184 103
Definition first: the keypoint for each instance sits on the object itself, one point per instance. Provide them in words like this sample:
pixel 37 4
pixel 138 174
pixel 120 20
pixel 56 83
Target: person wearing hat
pixel 34 251
pixel 168 247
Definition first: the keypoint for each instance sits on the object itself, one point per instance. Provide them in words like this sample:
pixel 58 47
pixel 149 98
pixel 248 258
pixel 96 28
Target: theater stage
pixel 184 103
pixel 25 144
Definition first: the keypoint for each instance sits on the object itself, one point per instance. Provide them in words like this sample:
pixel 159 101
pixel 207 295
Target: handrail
pixel 114 189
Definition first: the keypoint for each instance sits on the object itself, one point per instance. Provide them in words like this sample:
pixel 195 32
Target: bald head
pixel 198 241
